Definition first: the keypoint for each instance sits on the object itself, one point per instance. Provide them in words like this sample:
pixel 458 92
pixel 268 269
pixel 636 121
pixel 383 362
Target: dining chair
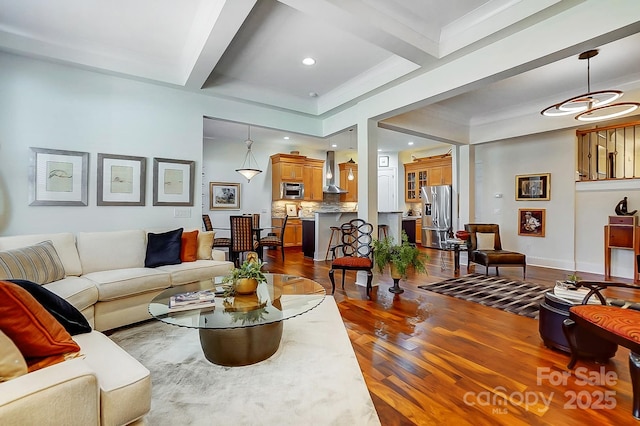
pixel 275 240
pixel 219 242
pixel 241 237
pixel 355 251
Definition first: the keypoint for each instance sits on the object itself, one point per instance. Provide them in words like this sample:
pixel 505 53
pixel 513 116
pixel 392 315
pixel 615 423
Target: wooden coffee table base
pixel 241 346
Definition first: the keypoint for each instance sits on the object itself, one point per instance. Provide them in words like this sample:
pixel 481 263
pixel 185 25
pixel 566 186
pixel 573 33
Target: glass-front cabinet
pixel 425 171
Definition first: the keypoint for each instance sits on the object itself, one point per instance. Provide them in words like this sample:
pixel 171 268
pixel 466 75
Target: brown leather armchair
pixel 483 252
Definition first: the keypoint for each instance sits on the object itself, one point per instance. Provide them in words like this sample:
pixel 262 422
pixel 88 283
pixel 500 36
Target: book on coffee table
pixel 206 305
pixel 191 298
pixel 573 294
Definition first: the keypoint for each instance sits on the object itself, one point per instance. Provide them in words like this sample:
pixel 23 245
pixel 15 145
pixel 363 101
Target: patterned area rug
pixel 518 297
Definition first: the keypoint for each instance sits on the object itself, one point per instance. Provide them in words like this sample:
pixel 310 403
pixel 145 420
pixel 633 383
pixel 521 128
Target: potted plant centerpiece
pixel 399 257
pixel 245 279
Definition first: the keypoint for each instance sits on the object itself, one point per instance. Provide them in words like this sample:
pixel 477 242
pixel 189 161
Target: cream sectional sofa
pixel 105 279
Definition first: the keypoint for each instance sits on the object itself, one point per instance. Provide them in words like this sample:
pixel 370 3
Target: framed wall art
pixel 531 222
pixel 224 196
pixel 121 180
pixel 292 209
pixel 383 161
pixel 173 182
pixel 58 178
pixel 533 187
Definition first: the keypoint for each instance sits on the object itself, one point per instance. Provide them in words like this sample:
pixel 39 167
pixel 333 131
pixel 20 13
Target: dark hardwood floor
pixel 433 359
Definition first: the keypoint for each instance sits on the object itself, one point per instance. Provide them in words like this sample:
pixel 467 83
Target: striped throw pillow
pixel 38 263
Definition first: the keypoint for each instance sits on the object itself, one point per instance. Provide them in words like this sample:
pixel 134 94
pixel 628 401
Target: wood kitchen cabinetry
pixel 297 168
pixel 419 231
pixel 436 170
pixel 350 185
pixel 293 231
pixel 313 178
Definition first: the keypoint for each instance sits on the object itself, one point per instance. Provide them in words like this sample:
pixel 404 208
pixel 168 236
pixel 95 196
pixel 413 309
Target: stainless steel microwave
pixel 292 191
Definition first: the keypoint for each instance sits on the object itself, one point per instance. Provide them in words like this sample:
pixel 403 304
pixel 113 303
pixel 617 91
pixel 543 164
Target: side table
pixel 456 245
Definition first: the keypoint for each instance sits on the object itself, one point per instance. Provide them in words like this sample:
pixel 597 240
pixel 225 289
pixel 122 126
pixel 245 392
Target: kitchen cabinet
pixel 419 231
pixel 350 185
pixel 285 168
pixel 293 231
pixel 436 170
pixel 313 178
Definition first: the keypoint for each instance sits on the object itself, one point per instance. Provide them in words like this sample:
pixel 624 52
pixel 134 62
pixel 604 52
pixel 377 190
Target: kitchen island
pixel 324 220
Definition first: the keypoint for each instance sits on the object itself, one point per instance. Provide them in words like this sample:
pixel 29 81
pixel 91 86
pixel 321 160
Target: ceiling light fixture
pixel 350 176
pixel 592 106
pixel 309 61
pixel 246 170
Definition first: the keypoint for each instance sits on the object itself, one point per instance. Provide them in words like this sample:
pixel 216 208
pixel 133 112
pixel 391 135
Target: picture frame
pixel 58 177
pixel 224 196
pixel 383 161
pixel 173 182
pixel 533 187
pixel 121 180
pixel 292 210
pixel 531 222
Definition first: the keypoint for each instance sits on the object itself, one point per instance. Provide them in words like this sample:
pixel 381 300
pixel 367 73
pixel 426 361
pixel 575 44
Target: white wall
pixel 57 107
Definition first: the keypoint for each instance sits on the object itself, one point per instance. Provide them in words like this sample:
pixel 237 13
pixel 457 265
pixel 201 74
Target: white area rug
pixel 313 378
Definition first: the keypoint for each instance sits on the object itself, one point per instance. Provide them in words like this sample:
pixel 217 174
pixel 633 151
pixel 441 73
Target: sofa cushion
pixel 200 270
pixel 12 363
pixel 125 384
pixel 38 263
pixel 66 314
pixel 65 244
pixel 205 245
pixel 79 291
pixel 104 251
pixel 39 336
pixel 121 283
pixel 163 249
pixel 189 246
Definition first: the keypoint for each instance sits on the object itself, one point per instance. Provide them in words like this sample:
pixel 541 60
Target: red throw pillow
pixel 189 248
pixel 42 340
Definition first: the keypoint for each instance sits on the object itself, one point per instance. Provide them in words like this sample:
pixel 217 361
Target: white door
pixel 387 190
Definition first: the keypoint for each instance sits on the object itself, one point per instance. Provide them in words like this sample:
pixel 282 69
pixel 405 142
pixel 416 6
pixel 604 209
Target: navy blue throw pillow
pixel 163 249
pixel 66 314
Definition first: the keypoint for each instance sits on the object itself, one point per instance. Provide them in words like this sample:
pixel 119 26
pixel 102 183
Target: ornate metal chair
pixel 275 240
pixel 485 248
pixel 613 323
pixel 355 251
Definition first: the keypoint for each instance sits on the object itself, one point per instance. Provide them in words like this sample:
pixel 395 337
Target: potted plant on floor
pixel 399 257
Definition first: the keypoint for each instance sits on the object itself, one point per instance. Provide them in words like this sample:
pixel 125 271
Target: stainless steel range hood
pixel 331 187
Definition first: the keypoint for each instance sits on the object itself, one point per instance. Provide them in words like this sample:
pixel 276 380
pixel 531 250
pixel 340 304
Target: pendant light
pixel 592 106
pixel 246 170
pixel 350 176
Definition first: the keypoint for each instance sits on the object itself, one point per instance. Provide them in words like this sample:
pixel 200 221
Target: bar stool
pixel 334 229
pixel 384 229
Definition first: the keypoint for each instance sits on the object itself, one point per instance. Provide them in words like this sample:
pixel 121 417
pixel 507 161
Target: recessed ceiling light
pixel 379 149
pixel 334 145
pixel 286 138
pixel 313 94
pixel 410 143
pixel 309 61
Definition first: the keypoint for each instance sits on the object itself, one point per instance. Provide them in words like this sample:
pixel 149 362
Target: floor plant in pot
pixel 400 258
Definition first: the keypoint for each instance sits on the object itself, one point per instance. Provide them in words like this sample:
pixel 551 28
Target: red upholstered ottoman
pixel 621 326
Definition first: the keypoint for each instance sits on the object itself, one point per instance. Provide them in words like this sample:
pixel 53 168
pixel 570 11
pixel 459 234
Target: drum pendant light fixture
pixel 247 170
pixel 592 106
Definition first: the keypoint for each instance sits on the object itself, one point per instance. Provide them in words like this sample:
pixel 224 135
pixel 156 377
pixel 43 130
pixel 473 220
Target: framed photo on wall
pixel 173 182
pixel 531 222
pixel 383 161
pixel 224 196
pixel 121 180
pixel 533 187
pixel 58 178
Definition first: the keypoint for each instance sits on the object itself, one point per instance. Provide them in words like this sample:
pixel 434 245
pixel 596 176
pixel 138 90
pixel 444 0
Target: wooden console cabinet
pixel 622 232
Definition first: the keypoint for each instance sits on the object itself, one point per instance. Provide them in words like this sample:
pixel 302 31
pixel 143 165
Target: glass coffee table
pixel 242 329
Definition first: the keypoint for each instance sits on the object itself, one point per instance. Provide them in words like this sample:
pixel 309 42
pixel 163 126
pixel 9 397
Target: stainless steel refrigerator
pixel 437 221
